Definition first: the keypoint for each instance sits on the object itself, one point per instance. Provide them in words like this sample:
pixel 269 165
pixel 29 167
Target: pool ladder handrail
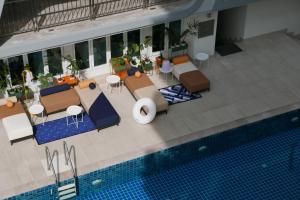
pixel 50 165
pixel 68 160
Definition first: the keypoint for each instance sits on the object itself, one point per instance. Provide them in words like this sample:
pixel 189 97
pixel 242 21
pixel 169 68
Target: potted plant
pixel 74 65
pixel 26 80
pixel 118 64
pixel 4 79
pixel 146 45
pixel 2 87
pixel 45 80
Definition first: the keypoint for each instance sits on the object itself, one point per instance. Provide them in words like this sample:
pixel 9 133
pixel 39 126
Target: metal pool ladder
pixel 50 165
pixel 69 190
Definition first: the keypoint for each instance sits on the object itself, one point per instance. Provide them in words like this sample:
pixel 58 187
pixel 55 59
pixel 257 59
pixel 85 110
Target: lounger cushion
pixel 16 109
pixel 54 89
pixel 86 83
pixel 102 113
pixel 23 128
pixel 194 81
pixel 183 68
pixel 143 87
pixel 180 59
pixel 60 101
pixel 133 83
pixel 152 93
pixel 88 96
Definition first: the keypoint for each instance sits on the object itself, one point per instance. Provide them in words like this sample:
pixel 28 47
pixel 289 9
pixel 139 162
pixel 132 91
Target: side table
pixel 35 110
pixel 73 112
pixel 202 57
pixel 113 80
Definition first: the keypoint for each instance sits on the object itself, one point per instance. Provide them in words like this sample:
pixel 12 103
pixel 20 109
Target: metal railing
pixel 19 16
pixel 68 160
pixel 50 165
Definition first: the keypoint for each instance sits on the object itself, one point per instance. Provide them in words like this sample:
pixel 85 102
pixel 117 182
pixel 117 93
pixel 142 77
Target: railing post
pixel 34 18
pixel 92 8
pixel 146 4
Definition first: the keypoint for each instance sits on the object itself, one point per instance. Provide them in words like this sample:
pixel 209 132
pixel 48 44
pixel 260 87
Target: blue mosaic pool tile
pixel 256 170
pixel 248 162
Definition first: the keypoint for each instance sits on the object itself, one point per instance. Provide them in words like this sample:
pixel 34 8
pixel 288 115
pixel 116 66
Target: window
pixel 16 66
pixel 206 28
pixel 54 61
pixel 116 45
pixel 2 74
pixel 99 46
pixel 175 32
pixel 133 38
pixel 158 37
pixel 82 54
pixel 36 63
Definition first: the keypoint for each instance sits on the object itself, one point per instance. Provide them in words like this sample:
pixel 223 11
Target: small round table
pixel 202 57
pixel 73 112
pixel 113 80
pixel 36 110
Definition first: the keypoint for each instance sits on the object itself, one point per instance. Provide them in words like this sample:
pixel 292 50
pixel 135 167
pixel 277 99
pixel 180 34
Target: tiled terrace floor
pixel 261 81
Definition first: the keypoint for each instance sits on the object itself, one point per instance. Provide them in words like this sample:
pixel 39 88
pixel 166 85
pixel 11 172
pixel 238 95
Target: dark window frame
pixel 158 37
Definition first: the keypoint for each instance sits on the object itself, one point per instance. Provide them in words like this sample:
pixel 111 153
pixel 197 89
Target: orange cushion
pixel 137 74
pixel 180 59
pixel 9 104
pixel 85 83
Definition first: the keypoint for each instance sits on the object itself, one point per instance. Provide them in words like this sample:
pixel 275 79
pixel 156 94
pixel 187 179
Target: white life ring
pixel 151 108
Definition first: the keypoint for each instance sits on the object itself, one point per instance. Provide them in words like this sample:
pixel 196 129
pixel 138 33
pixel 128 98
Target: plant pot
pixel 134 64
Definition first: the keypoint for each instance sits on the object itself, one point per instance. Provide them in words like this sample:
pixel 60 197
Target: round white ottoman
pixel 149 105
pixel 202 57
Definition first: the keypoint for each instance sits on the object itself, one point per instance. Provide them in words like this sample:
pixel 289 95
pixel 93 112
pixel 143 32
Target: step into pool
pixel 260 160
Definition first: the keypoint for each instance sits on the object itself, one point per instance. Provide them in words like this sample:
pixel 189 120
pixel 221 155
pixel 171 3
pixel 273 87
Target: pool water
pixel 259 170
pixel 256 161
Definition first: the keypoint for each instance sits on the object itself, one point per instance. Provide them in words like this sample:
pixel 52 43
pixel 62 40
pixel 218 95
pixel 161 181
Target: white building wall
pixel 272 15
pixel 206 44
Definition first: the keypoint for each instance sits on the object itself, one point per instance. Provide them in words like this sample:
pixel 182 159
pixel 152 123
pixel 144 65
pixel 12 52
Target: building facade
pixel 41 34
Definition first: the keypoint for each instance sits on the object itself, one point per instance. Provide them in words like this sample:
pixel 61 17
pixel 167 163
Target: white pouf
pixel 202 57
pixel 17 126
pixel 149 105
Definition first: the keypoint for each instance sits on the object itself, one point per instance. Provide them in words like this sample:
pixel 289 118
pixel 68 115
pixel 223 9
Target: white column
pixel 91 54
pixel 125 39
pixel 45 61
pixel 65 51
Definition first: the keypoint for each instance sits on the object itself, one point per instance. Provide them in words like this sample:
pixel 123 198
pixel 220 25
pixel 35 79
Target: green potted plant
pixel 146 45
pixel 74 65
pixel 45 80
pixel 2 87
pixel 4 79
pixel 118 64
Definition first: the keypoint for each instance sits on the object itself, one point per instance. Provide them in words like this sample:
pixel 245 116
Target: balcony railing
pixel 19 16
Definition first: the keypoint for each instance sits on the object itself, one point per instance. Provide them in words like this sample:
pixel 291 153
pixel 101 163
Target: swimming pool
pixel 254 161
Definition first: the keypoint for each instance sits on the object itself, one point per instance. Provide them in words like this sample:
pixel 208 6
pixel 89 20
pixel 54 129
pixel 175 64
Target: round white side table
pixel 73 112
pixel 201 58
pixel 113 80
pixel 36 110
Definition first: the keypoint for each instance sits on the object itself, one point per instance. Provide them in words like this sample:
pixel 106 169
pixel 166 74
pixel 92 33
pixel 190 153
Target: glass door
pixel 99 47
pixel 16 66
pixel 117 44
pixel 36 63
pixel 82 54
pixel 54 61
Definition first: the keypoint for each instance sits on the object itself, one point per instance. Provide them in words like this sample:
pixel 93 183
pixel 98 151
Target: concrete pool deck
pixel 260 82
